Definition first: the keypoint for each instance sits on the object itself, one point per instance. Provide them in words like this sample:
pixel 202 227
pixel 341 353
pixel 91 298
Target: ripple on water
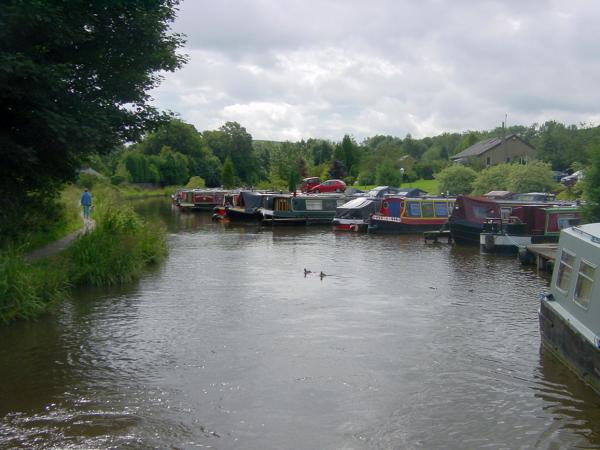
pixel 229 345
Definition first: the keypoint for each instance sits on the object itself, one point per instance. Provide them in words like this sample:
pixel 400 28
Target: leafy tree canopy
pixel 456 179
pixel 74 77
pixel 494 178
pixel 533 177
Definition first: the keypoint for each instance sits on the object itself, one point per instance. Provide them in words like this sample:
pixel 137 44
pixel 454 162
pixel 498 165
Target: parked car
pixel 570 180
pixel 329 186
pixel 309 183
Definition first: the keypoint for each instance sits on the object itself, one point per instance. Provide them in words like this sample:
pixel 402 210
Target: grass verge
pixel 115 252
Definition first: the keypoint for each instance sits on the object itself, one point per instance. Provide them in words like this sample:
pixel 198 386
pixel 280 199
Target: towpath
pixel 58 246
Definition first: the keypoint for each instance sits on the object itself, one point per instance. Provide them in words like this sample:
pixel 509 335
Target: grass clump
pixel 28 290
pixel 117 250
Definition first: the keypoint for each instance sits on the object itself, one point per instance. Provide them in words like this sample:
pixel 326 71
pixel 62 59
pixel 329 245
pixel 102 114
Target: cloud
pixel 301 69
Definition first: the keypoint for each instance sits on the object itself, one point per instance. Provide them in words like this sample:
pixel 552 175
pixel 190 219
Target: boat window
pixel 585 281
pixel 441 209
pixel 565 268
pixel 282 204
pixel 427 209
pixel 566 222
pixel 505 212
pixel 413 209
pixel 314 204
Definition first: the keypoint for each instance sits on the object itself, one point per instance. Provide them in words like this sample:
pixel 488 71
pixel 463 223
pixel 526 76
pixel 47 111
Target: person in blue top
pixel 86 202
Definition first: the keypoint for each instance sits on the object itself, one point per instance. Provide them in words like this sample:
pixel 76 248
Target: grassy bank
pixel 115 252
pixel 429 186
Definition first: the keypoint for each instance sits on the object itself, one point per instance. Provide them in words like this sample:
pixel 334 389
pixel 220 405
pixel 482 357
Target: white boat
pixel 570 313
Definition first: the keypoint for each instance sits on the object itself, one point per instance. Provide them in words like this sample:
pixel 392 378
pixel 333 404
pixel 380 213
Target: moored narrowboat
pixel 201 199
pixel 356 213
pixel 468 216
pixel 570 314
pixel 400 214
pixel 248 207
pixel 300 209
pixel 527 224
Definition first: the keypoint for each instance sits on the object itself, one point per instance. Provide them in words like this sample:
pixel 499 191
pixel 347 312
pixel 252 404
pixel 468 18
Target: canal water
pixel 229 345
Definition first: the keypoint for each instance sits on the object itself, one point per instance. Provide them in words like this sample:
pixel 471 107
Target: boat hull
pixel 395 226
pixel 349 225
pixel 237 215
pixel 510 244
pixel 464 232
pixel 569 345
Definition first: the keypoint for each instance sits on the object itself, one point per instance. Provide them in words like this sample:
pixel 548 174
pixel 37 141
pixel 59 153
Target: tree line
pixel 177 151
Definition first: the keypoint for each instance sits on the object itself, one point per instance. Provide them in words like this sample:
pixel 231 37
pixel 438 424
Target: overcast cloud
pixel 287 70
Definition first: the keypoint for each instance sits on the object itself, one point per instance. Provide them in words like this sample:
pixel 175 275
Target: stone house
pixel 497 151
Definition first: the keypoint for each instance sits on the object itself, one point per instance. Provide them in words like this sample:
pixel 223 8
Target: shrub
pixel 196 182
pixel 117 250
pixel 456 179
pixel 494 178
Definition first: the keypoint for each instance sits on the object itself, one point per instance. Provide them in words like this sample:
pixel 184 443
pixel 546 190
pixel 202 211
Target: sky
pixel 299 69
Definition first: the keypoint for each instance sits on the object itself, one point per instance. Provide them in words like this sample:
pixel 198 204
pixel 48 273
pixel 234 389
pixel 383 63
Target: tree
pixel 239 149
pixel 456 179
pixel 74 82
pixel 337 169
pixel 533 177
pixel 494 178
pixel 227 174
pixel 173 167
pixel 184 138
pixel 591 186
pixel 293 179
pixel 386 174
pixel 74 77
pixel 347 153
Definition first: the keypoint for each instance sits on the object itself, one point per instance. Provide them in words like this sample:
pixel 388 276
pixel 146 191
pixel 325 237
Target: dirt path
pixel 58 246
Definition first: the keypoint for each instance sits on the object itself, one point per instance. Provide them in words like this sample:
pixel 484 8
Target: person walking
pixel 86 202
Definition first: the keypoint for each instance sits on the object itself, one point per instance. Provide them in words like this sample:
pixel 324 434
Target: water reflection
pixel 228 344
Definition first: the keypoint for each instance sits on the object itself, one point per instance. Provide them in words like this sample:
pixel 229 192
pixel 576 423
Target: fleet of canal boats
pixel 569 315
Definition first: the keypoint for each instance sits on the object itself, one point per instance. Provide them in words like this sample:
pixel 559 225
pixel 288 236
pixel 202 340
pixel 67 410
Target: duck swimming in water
pixel 321 275
pixel 306 272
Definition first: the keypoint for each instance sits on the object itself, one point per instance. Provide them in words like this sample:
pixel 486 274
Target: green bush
pixel 117 250
pixel 456 179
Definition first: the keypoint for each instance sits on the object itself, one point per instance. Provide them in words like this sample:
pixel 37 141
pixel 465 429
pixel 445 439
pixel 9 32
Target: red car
pixel 309 183
pixel 329 186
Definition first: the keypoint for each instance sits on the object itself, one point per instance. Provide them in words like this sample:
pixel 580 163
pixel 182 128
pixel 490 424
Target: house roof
pixel 483 146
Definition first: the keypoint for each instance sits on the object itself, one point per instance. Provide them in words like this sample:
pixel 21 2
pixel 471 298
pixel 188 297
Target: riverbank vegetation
pixel 116 251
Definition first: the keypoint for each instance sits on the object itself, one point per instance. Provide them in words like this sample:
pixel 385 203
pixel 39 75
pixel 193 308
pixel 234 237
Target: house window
pixel 488 161
pixel 585 281
pixel 508 159
pixel 565 268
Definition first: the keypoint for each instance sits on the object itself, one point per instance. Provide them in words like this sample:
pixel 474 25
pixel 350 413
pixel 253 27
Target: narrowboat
pixel 527 224
pixel 399 214
pixel 468 216
pixel 570 313
pixel 201 199
pixel 356 213
pixel 300 209
pixel 248 207
pixel 231 199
